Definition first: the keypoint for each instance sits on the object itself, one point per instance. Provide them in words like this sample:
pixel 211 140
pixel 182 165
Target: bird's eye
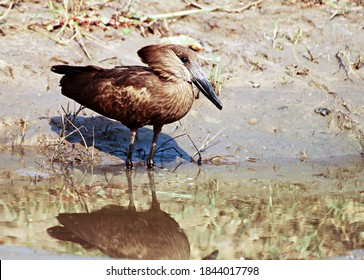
pixel 183 59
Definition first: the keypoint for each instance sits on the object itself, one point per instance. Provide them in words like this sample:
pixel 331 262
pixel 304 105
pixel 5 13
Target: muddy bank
pixel 278 62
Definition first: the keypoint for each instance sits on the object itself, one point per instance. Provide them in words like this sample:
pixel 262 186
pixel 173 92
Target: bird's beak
pixel 202 83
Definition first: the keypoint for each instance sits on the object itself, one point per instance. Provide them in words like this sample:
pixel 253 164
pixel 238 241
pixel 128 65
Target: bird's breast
pixel 172 102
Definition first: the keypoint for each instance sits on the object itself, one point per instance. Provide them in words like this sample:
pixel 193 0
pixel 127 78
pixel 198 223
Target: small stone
pixel 6 68
pixel 322 111
pixel 303 155
pixel 253 121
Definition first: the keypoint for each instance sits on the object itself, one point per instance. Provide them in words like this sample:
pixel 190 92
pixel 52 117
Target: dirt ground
pixel 279 61
pixel 292 81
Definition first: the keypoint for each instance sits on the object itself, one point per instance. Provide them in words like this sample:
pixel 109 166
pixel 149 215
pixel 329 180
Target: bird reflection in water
pixel 123 232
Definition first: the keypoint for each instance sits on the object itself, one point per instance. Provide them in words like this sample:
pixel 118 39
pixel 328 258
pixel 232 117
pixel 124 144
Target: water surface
pixel 250 210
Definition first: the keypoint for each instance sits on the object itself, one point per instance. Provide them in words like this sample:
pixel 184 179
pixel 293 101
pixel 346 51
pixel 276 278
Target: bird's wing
pixel 120 93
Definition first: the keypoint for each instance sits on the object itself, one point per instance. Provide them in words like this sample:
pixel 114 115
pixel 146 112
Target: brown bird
pixel 136 96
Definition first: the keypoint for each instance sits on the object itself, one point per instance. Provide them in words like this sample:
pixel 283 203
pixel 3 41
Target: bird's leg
pixel 156 130
pixel 129 163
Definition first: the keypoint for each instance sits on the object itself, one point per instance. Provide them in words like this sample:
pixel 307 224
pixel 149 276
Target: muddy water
pixel 251 210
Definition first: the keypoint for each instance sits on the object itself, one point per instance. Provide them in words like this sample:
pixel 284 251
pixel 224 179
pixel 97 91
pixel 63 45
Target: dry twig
pixel 6 13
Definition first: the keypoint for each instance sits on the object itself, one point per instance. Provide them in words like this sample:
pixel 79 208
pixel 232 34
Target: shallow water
pixel 250 210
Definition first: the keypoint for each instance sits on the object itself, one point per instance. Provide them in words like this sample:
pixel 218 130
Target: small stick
pixel 164 143
pixel 181 13
pixel 79 132
pixel 342 64
pixel 199 161
pixel 238 10
pixel 206 142
pixel 45 34
pixel 80 42
pixel 246 7
pixel 6 12
pixel 93 144
pixel 128 6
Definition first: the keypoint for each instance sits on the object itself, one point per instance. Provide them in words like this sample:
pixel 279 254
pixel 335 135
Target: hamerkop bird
pixel 138 95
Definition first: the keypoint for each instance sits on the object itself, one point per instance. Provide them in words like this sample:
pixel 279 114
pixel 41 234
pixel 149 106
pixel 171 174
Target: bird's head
pixel 176 62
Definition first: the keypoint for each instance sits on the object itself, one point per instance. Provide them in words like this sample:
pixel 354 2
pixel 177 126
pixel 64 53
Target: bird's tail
pixel 66 69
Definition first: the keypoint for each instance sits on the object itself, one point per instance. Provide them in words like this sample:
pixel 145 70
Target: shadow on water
pixel 123 232
pixel 113 138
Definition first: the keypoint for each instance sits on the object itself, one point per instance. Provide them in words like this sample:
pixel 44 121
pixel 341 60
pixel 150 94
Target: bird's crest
pixel 169 61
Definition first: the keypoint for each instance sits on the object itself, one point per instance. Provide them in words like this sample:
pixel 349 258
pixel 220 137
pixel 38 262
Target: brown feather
pixel 131 95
